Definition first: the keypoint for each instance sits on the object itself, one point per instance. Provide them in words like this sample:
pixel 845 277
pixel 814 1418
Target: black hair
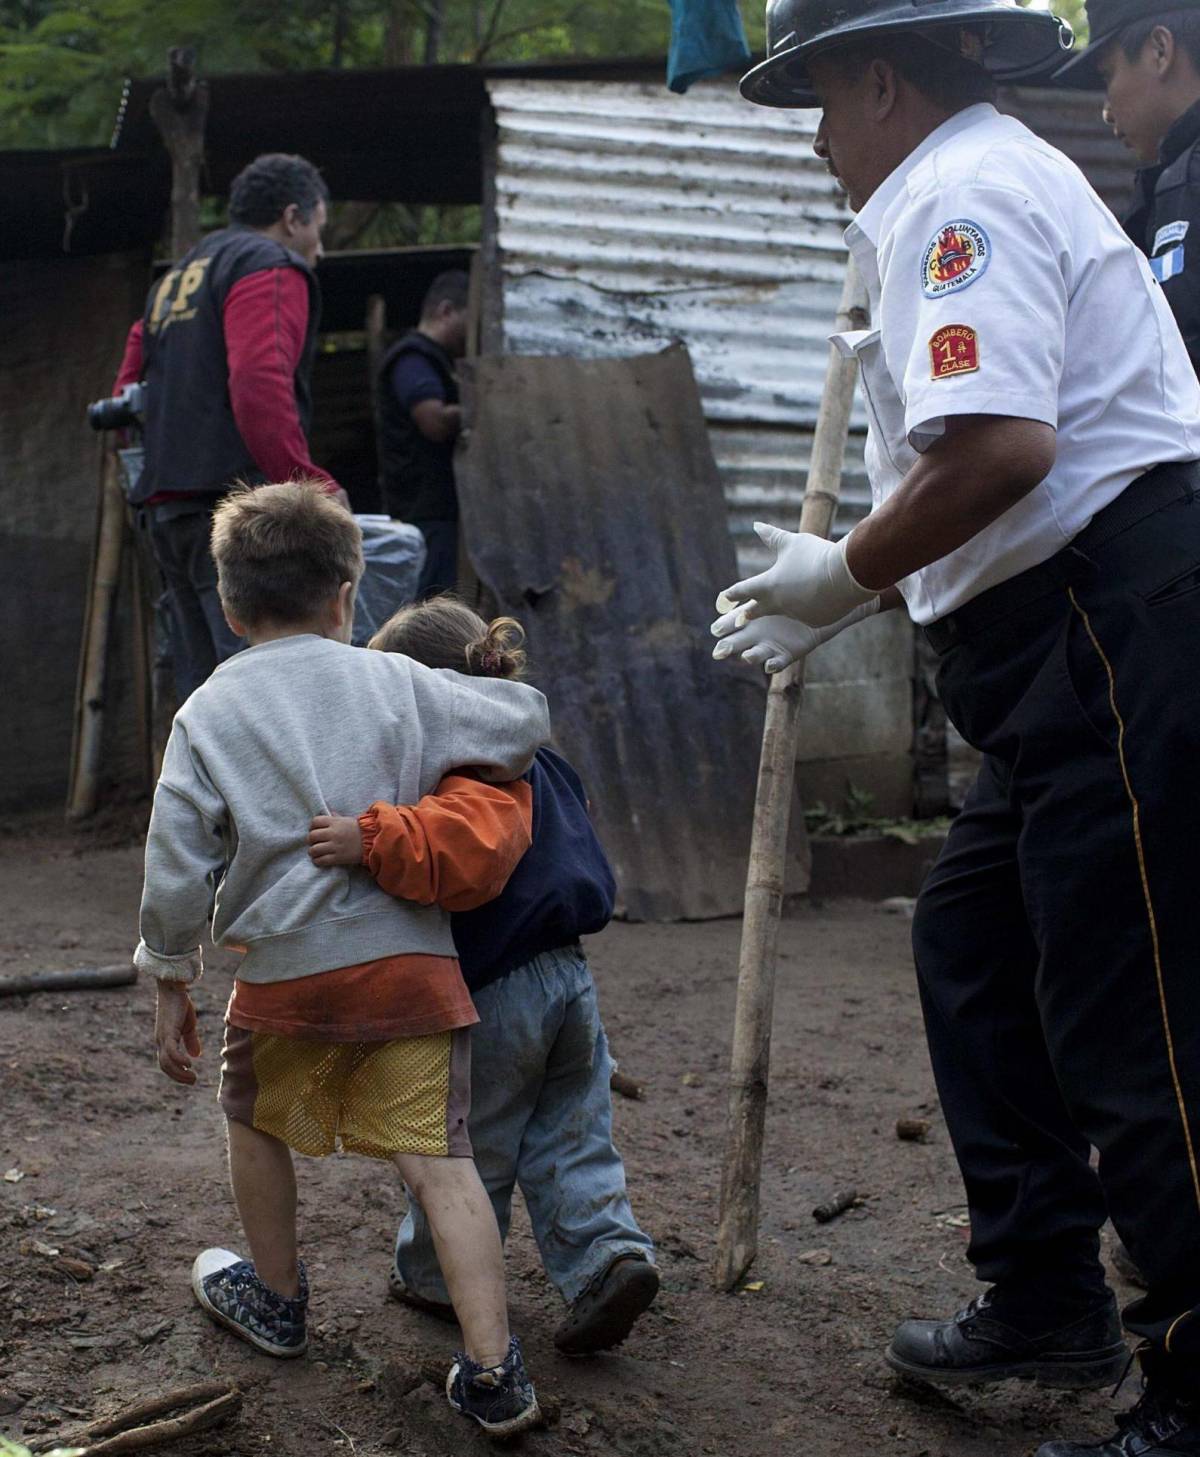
pixel 263 191
pixel 447 288
pixel 1184 25
pixel 942 76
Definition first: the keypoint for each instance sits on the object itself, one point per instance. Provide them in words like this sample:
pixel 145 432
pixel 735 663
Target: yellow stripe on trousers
pixel 1141 858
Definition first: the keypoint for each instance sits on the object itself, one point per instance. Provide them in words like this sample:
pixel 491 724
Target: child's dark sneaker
pixel 230 1291
pixel 398 1290
pixel 500 1398
pixel 604 1314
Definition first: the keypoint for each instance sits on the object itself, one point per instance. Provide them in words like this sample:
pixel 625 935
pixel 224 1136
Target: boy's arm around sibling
pixel 496 727
pixel 455 848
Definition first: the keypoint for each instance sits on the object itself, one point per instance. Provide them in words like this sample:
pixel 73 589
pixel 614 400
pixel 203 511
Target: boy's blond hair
pixel 283 551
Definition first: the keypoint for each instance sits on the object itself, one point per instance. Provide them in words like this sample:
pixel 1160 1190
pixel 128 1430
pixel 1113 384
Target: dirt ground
pixel 122 1171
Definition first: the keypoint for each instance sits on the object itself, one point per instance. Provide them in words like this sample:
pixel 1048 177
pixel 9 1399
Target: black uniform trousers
pixel 1057 939
pixel 200 636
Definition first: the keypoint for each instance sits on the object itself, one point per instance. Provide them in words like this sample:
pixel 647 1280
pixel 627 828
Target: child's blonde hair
pixel 443 632
pixel 283 551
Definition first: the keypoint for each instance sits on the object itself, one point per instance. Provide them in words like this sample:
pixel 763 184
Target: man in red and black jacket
pixel 226 346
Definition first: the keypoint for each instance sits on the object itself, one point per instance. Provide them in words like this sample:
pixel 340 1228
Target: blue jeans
pixel 541 1117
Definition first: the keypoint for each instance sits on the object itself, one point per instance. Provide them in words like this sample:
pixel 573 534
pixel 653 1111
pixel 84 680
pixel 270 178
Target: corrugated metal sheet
pixel 614 586
pixel 1070 120
pixel 628 217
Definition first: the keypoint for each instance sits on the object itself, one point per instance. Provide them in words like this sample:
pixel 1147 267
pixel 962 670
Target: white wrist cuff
pixel 187 966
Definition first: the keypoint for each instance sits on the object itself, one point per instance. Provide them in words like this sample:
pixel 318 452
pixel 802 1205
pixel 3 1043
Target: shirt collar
pixel 1181 134
pixel 869 221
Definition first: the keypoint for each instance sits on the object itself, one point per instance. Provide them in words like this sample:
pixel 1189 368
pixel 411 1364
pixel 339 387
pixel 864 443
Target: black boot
pixel 987 1342
pixel 1164 1423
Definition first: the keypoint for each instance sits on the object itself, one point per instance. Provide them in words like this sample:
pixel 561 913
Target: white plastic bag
pixel 395 556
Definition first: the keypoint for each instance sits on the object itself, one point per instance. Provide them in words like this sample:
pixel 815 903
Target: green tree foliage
pixel 62 62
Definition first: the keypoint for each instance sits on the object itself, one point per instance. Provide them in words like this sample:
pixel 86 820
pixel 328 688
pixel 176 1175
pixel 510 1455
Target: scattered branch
pixel 72 979
pixel 134 1429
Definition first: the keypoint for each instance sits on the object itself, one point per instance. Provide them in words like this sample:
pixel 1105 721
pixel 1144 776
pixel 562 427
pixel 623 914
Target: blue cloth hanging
pixel 706 38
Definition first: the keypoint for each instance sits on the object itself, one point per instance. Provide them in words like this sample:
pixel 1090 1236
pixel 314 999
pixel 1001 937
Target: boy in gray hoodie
pixel 348 1018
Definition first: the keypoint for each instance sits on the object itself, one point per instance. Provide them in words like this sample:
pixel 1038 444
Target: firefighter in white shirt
pixel 1033 446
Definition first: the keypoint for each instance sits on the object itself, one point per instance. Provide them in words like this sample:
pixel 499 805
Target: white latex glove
pixel 809 580
pixel 775 643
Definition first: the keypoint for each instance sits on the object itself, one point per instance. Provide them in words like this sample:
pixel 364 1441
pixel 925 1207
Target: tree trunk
pixel 397 37
pixel 180 110
pixel 433 31
pixel 340 29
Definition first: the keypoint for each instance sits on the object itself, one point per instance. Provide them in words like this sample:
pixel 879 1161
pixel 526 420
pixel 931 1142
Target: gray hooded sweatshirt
pixel 289 729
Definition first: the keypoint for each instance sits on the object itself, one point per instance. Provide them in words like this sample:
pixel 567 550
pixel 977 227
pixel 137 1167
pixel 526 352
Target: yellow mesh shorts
pixel 410 1095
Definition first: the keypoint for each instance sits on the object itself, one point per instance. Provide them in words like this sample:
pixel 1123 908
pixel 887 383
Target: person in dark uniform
pixel 1034 457
pixel 420 420
pixel 1146 58
pixel 1147 61
pixel 226 347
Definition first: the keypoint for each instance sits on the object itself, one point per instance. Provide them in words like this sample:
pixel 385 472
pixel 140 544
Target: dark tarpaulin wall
pixel 592 510
pixel 65 321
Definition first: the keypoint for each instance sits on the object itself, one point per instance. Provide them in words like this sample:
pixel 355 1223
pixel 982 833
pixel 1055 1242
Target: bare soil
pixel 121 1172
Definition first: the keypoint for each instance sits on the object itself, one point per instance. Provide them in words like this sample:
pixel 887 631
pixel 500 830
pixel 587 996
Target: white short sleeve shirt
pixel 1000 284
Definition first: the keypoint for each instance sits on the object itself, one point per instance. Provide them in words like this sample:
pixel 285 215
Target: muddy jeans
pixel 541 1117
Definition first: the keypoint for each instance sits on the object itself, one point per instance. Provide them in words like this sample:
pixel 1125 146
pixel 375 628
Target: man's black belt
pixel 1159 487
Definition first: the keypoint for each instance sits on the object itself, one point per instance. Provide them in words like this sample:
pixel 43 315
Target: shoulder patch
pixel 954 349
pixel 1170 233
pixel 1168 265
pixel 957 254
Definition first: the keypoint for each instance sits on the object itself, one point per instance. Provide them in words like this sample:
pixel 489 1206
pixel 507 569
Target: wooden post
pixel 97 627
pixel 737 1234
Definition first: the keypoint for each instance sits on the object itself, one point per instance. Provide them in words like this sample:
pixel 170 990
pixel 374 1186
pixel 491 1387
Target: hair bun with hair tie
pixel 490 661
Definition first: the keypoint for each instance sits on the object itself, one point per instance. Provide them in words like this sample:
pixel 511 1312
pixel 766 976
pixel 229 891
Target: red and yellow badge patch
pixel 954 349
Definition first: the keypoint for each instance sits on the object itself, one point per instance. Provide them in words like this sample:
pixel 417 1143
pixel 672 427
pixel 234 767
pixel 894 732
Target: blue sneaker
pixel 500 1398
pixel 228 1288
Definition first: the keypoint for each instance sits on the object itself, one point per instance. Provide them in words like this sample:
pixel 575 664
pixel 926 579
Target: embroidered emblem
pixel 957 255
pixel 954 349
pixel 1168 265
pixel 1170 233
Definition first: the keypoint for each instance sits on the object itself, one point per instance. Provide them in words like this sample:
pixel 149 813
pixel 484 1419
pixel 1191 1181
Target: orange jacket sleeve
pixel 455 848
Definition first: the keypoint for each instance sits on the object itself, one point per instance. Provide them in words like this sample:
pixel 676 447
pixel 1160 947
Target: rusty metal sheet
pixel 592 509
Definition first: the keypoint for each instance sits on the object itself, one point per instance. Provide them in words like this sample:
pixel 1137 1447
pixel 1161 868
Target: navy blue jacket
pixel 563 887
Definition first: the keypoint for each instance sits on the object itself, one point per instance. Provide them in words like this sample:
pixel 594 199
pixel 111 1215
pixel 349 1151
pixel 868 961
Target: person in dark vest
pixel 225 347
pixel 1146 58
pixel 420 420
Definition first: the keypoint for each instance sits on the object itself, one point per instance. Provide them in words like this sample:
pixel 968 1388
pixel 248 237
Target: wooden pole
pixel 97 627
pixel 737 1234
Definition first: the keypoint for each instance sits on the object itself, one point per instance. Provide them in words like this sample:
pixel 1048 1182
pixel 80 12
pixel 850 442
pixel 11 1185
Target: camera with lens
pixel 120 410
